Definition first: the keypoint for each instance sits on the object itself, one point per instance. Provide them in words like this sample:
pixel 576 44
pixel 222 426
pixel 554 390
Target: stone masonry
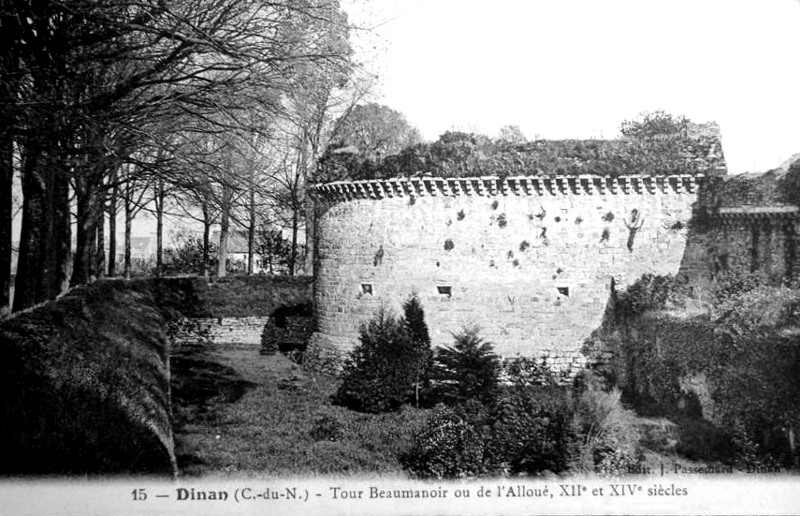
pixel 230 330
pixel 529 260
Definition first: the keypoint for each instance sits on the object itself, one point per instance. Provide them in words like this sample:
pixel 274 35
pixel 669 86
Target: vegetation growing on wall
pixel 735 362
pixel 657 144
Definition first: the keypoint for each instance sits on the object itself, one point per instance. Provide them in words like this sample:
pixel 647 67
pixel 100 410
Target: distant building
pixel 237 251
pixel 143 247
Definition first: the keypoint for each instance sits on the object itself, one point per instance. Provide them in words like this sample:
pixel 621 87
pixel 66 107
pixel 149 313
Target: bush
pixel 187 257
pixel 742 353
pixel 468 370
pixel 652 292
pixel 448 447
pixel 530 371
pixel 610 438
pixel 391 364
pixel 417 329
pixel 532 431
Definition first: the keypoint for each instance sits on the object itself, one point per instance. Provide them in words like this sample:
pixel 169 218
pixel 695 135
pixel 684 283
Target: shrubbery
pixel 611 440
pixel 532 431
pixel 528 425
pixel 186 257
pixel 390 365
pixel 448 447
pixel 468 370
pixel 744 351
pixel 458 154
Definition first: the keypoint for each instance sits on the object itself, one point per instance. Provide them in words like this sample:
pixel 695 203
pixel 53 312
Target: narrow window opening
pixel 564 291
pixel 366 288
pixel 445 290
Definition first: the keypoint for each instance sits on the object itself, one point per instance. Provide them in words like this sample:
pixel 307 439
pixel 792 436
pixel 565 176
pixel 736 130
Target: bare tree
pixel 101 78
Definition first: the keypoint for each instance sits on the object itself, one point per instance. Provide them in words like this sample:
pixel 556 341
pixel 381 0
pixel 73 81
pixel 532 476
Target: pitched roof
pixel 237 241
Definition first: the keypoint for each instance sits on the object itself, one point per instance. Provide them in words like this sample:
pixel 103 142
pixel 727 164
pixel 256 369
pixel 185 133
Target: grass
pixel 84 385
pixel 239 412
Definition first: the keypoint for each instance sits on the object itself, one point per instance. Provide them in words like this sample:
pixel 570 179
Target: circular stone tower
pixel 528 260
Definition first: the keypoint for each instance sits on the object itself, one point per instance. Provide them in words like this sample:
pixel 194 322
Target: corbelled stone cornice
pixel 495 186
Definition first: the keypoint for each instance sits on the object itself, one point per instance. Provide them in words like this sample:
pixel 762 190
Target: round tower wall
pixel 531 269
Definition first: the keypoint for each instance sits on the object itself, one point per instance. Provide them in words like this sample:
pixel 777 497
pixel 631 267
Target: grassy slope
pixel 238 412
pixel 84 385
pixel 241 412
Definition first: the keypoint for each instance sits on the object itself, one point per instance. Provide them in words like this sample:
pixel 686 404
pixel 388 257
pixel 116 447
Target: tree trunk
pixel 160 229
pixel 45 224
pixel 206 246
pixel 100 254
pixel 9 64
pixel 62 234
pixel 112 226
pixel 6 217
pixel 251 230
pixel 128 224
pixel 293 258
pixel 86 249
pixel 310 223
pixel 224 228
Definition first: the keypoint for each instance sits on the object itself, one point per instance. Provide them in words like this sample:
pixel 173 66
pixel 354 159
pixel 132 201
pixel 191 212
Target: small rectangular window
pixel 445 290
pixel 366 288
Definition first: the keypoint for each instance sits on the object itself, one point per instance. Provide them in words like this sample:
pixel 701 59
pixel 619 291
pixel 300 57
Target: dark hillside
pixel 85 385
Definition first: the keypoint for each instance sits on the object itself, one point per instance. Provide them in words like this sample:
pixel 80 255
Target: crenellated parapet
pixel 496 186
pixel 779 214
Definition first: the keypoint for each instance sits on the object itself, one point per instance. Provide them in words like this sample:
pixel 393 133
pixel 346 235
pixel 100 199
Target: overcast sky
pixel 577 68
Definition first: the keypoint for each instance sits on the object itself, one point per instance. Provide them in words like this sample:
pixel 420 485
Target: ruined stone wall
pixel 228 330
pixel 528 260
pixel 743 241
pixel 231 310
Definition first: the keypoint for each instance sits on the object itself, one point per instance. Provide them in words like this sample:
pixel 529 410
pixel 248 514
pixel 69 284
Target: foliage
pixel 651 292
pixel 187 257
pixel 145 78
pixel 729 286
pixel 273 431
pixel 470 369
pixel 656 124
pixel 530 371
pixel 274 251
pixel 511 134
pixel 326 428
pixel 84 385
pixel 373 130
pixel 532 431
pixel 744 351
pixel 456 154
pixel 448 447
pixel 610 439
pixel 389 366
pixel 417 330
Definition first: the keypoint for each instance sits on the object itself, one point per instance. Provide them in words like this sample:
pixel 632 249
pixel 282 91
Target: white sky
pixel 577 68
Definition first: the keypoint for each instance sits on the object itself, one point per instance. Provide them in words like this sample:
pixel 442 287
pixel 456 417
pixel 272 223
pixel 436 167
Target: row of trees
pixel 217 110
pixel 212 109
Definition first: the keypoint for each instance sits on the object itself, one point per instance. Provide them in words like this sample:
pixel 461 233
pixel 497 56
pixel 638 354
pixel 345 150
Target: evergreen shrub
pixel 390 365
pixel 470 369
